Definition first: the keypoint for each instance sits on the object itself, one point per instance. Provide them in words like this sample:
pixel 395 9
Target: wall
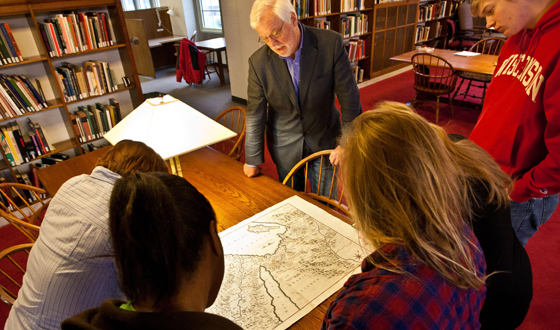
pixel 183 22
pixel 241 41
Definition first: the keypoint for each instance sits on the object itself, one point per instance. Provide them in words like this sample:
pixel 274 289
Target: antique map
pixel 282 263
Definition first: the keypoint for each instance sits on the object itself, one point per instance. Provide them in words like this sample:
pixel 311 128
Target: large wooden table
pixel 235 198
pixel 216 45
pixel 480 64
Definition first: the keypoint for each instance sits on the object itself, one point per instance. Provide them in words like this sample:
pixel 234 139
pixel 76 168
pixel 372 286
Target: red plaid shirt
pixel 379 299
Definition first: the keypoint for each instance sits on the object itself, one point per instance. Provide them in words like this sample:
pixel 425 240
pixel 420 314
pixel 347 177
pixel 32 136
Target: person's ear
pixel 215 239
pixel 293 19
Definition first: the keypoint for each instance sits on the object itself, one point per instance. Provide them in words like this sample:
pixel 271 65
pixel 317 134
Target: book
pixel 7 151
pixel 8 44
pixel 19 141
pixel 39 134
pixel 13 41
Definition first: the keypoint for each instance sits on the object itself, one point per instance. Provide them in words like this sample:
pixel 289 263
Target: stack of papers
pixel 466 53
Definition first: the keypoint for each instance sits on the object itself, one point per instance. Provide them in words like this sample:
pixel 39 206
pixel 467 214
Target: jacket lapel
pixel 283 76
pixel 308 61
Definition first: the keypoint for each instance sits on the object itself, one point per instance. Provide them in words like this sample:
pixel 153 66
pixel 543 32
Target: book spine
pixel 13 40
pixel 36 143
pixel 42 139
pixel 105 29
pixel 76 128
pixel 19 142
pixel 56 39
pixel 111 31
pixel 8 86
pixel 35 92
pixel 7 45
pixel 7 151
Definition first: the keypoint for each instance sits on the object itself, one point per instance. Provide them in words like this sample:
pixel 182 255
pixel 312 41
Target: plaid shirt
pixel 379 299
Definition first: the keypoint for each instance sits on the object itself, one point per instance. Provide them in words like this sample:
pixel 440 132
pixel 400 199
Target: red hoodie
pixel 520 121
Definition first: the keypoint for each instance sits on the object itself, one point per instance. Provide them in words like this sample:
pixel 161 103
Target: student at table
pixel 168 255
pixel 70 267
pixel 408 200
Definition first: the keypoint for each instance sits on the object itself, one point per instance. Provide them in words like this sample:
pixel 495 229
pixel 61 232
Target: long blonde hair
pixel 405 186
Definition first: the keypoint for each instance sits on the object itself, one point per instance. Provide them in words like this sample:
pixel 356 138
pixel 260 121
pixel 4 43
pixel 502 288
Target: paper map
pixel 282 263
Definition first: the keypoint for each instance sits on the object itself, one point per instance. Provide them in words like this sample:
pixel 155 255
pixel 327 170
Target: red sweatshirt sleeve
pixel 544 179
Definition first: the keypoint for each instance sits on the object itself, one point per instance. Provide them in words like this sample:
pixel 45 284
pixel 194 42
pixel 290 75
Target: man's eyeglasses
pixel 274 35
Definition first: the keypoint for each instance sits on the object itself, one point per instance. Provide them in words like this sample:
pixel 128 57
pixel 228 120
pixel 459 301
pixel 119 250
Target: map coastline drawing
pixel 282 263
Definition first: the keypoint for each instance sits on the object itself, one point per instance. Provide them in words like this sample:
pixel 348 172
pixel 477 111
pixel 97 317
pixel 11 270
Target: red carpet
pixel 543 248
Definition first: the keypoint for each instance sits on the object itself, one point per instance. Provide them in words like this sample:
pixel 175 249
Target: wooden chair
pixel 332 185
pixel 234 119
pixel 15 198
pixel 434 76
pixel 489 46
pixel 12 262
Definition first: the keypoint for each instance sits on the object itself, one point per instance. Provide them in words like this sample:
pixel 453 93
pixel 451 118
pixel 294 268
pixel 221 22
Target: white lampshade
pixel 169 126
pixel 171 12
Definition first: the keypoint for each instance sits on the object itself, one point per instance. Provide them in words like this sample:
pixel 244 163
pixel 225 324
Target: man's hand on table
pixel 251 171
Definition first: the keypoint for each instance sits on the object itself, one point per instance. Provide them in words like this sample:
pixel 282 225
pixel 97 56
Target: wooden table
pixel 53 177
pixel 159 42
pixel 480 64
pixel 235 198
pixel 218 45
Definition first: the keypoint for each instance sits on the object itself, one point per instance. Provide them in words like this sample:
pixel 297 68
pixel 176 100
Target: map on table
pixel 283 262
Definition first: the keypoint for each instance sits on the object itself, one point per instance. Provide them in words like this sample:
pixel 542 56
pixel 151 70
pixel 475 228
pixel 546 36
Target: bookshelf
pixel 24 18
pixel 432 30
pixel 341 16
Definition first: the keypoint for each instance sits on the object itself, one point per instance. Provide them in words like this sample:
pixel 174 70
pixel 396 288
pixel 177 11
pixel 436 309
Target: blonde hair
pixel 476 7
pixel 408 184
pixel 281 8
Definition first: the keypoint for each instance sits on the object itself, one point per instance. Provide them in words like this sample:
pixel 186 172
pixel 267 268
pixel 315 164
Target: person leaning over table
pixel 168 255
pixel 70 267
pixel 410 203
pixel 293 80
pixel 520 120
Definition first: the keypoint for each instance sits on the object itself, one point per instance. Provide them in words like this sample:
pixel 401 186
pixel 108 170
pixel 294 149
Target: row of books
pixel 92 122
pixel 432 11
pixel 23 146
pixel 322 7
pixel 356 49
pixel 385 1
pixel 95 78
pixel 77 32
pixel 19 96
pixel 422 34
pixel 9 50
pixel 302 8
pixel 358 74
pixel 323 24
pixel 353 25
pixel 30 179
pixel 352 5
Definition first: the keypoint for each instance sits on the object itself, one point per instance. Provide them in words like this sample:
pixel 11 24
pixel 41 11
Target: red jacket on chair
pixel 192 63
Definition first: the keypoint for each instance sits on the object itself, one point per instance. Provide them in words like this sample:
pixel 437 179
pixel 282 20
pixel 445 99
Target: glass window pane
pixel 206 5
pixel 128 5
pixel 144 4
pixel 217 20
pixel 207 19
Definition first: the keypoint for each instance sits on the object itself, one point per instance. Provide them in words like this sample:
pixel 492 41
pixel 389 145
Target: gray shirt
pixel 69 268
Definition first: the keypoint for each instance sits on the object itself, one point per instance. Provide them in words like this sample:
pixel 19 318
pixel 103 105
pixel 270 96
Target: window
pixel 139 4
pixel 210 17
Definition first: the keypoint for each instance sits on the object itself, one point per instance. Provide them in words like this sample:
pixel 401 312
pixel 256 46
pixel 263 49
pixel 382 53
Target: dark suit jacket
pixel 325 71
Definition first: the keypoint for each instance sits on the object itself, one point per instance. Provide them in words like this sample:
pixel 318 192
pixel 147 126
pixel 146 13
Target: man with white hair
pixel 293 81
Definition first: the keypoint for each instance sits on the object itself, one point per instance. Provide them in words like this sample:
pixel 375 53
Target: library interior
pixel 274 164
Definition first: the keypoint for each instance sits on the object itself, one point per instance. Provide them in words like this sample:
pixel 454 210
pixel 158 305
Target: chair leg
pixel 437 110
pixel 451 105
pixel 459 88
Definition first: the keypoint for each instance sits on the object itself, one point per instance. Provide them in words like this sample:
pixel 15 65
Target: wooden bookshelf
pixel 394 28
pixel 335 18
pixel 24 17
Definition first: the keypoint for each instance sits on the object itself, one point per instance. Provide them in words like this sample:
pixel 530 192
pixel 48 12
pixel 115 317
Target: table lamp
pixel 170 127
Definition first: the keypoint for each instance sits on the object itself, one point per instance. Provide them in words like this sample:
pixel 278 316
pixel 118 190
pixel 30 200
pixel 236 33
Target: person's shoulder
pixel 259 54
